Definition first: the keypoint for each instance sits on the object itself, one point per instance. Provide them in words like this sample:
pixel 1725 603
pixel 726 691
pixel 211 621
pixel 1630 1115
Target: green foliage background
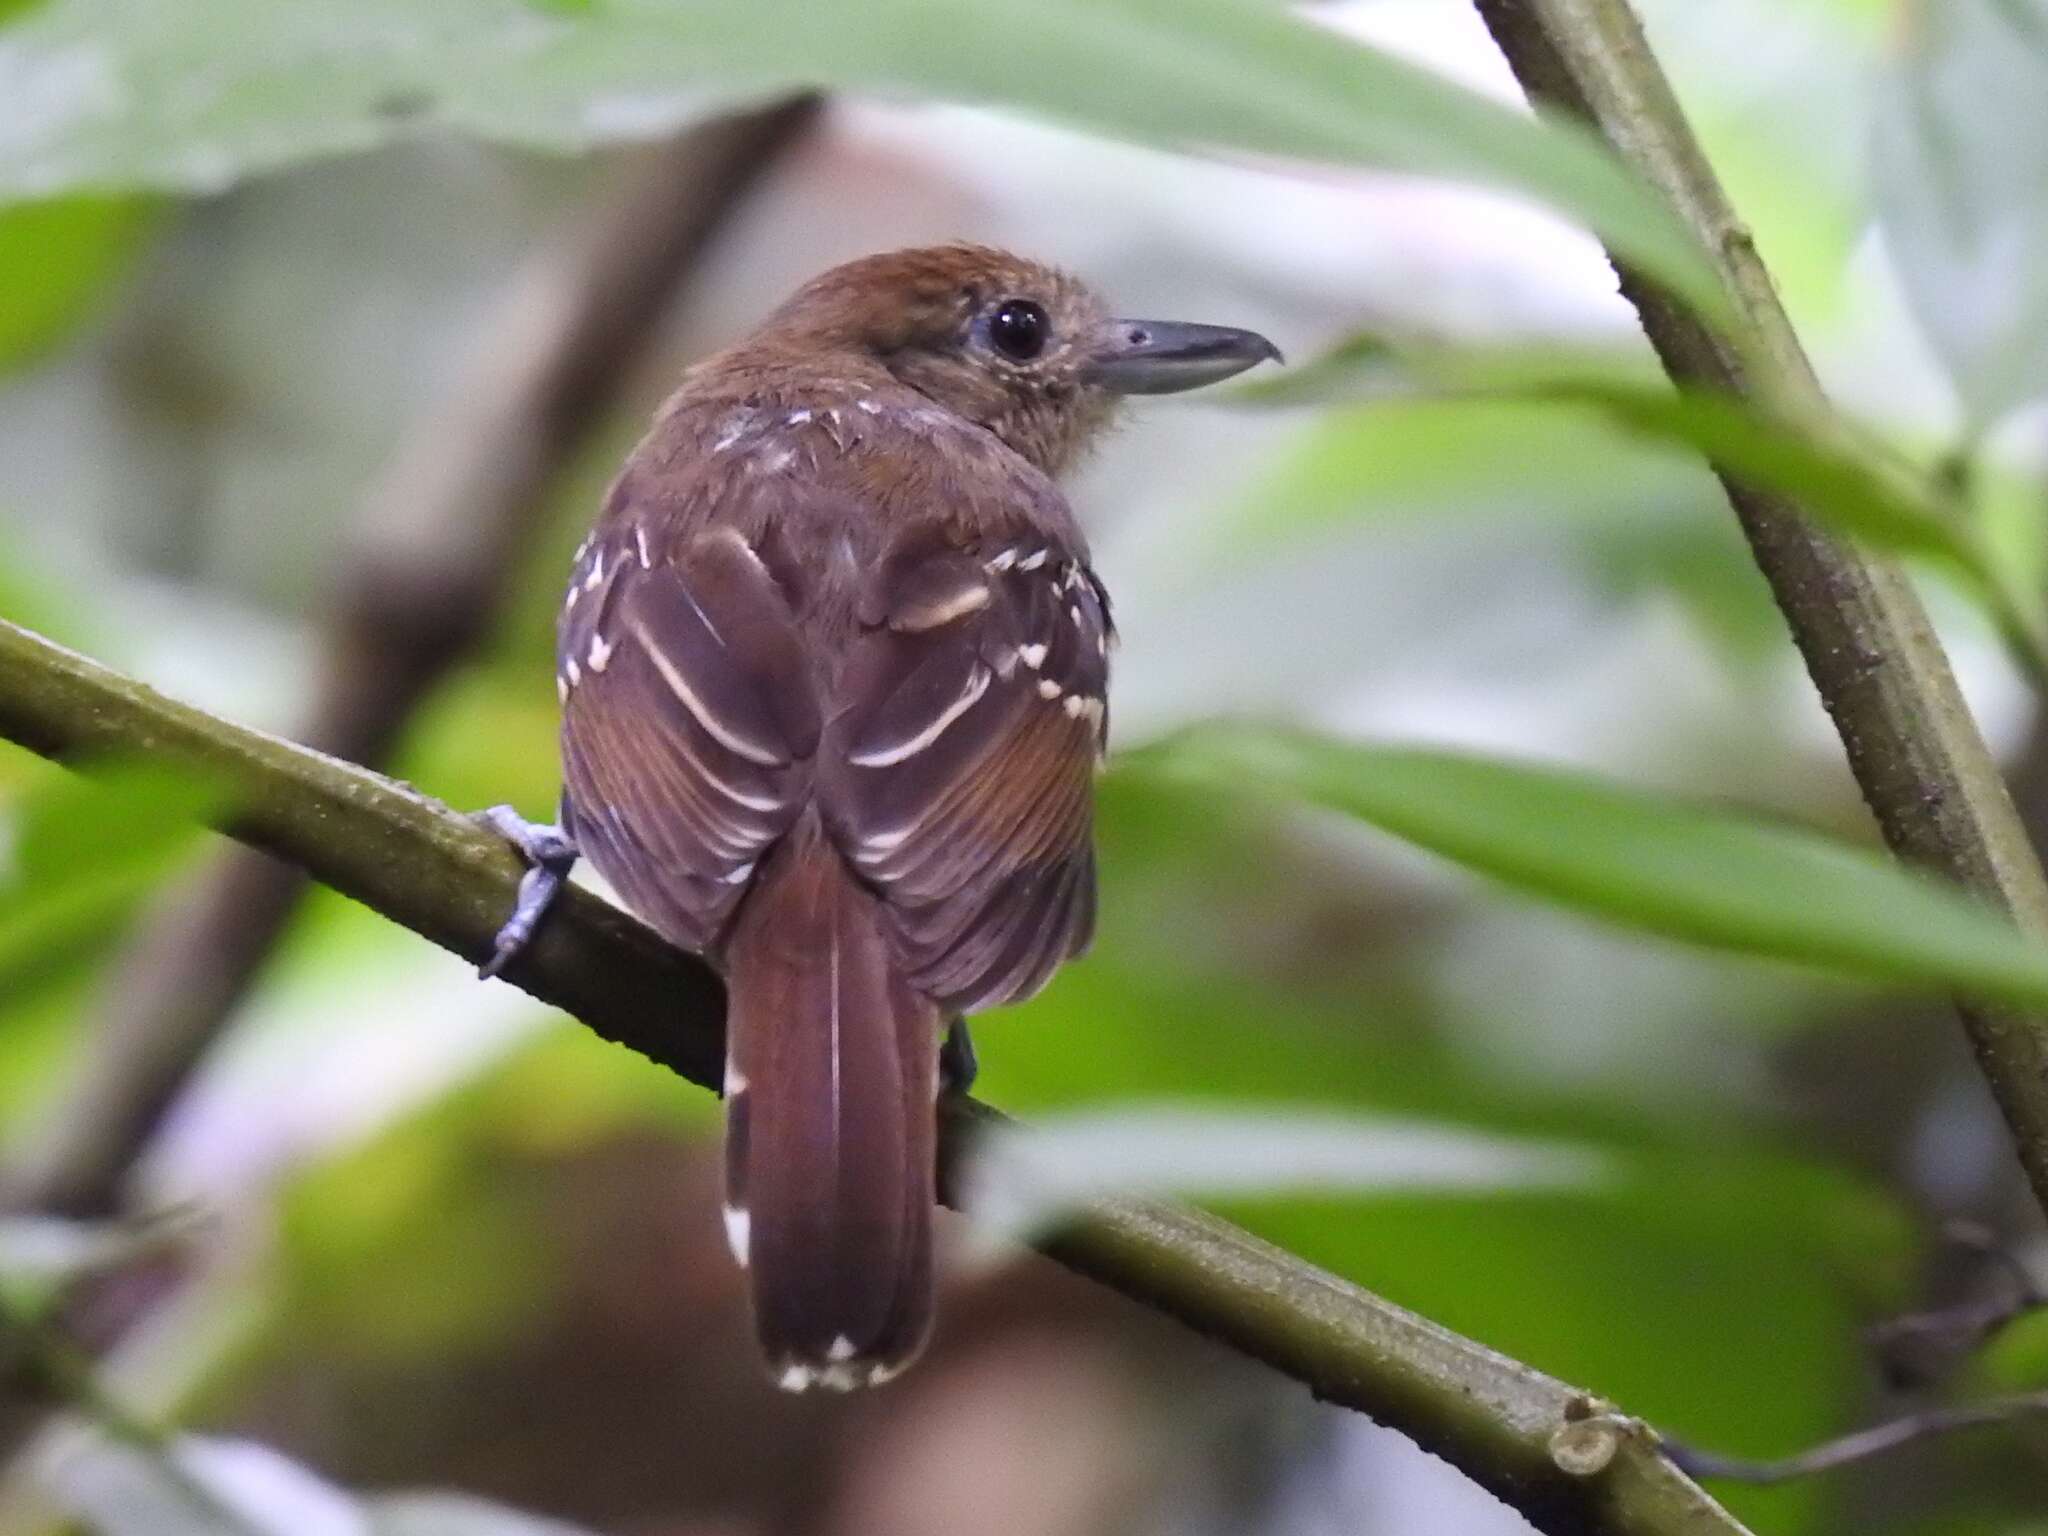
pixel 1264 947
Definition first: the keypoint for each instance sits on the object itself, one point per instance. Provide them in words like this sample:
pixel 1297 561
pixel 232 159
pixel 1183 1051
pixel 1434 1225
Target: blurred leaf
pixel 195 1485
pixel 1425 456
pixel 1703 563
pixel 136 93
pixel 1837 475
pixel 457 1514
pixel 57 259
pixel 1851 485
pixel 1683 871
pixel 1027 1178
pixel 422 1240
pixel 42 1256
pixel 79 853
pixel 1961 152
pixel 2016 1358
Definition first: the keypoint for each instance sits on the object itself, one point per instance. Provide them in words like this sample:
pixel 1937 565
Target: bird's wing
pixel 689 721
pixel 957 762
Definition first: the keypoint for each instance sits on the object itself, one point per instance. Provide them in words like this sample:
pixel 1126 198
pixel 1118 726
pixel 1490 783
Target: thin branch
pixel 1862 1445
pixel 1568 1464
pixel 1914 748
pixel 1918 1348
pixel 440 541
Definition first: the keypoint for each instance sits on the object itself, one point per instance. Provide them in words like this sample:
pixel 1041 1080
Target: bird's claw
pixel 550 854
pixel 958 1065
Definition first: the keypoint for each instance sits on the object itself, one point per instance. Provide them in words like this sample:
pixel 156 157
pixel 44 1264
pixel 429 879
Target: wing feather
pixel 688 725
pixel 958 769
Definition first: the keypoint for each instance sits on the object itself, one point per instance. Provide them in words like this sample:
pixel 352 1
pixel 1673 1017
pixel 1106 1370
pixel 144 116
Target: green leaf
pixel 1838 474
pixel 57 259
pixel 80 853
pixel 1027 1178
pixel 1687 872
pixel 125 93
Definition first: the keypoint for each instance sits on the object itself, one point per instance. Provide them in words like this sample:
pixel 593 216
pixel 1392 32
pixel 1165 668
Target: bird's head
pixel 1025 350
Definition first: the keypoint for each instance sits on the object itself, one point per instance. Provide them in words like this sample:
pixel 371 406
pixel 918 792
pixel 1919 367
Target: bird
pixel 833 669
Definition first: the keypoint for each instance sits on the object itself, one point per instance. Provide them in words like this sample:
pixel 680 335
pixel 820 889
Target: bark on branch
pixel 1571 1465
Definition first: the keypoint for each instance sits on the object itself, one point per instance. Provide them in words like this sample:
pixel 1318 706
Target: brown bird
pixel 833 669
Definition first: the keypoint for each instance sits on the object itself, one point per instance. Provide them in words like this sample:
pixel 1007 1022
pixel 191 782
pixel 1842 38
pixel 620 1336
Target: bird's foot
pixel 958 1065
pixel 550 854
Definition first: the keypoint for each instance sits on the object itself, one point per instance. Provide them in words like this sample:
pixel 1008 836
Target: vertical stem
pixel 1915 750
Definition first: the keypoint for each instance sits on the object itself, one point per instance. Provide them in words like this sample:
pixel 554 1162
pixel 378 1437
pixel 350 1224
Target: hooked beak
pixel 1163 357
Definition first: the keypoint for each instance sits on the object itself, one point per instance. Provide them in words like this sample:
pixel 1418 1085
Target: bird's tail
pixel 831 1077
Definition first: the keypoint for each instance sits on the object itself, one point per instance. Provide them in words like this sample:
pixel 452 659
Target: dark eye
pixel 1018 330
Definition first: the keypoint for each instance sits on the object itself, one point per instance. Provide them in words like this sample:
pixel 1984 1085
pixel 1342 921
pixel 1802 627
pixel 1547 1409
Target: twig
pixel 1515 1431
pixel 1912 745
pixel 1917 1348
pixel 440 539
pixel 1860 1446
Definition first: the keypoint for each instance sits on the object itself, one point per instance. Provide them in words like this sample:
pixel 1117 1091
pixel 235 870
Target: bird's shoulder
pixel 845 454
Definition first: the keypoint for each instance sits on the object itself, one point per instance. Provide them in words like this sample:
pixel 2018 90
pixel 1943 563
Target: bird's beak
pixel 1162 357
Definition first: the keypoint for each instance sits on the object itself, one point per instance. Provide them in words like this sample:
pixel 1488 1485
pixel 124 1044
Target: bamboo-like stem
pixel 1915 750
pixel 1570 1464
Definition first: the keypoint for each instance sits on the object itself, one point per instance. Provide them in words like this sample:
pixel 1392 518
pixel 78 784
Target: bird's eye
pixel 1019 330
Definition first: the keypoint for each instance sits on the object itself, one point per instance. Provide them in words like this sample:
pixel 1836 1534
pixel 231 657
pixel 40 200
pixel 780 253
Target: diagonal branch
pixel 442 536
pixel 1915 750
pixel 1571 1465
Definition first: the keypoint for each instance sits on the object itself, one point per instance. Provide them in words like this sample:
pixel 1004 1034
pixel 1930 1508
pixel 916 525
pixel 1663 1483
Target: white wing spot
pixel 796 1378
pixel 575 672
pixel 798 418
pixel 739 876
pixel 735 1081
pixel 1048 689
pixel 561 688
pixel 1032 562
pixel 867 404
pixel 1074 705
pixel 596 573
pixel 1034 656
pixel 842 1349
pixel 719 733
pixel 640 539
pixel 1074 613
pixel 735 428
pixel 977 685
pixel 1003 561
pixel 967 600
pixel 738 1233
pixel 600 652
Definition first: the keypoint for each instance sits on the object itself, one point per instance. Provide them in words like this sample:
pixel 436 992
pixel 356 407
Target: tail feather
pixel 831 1076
